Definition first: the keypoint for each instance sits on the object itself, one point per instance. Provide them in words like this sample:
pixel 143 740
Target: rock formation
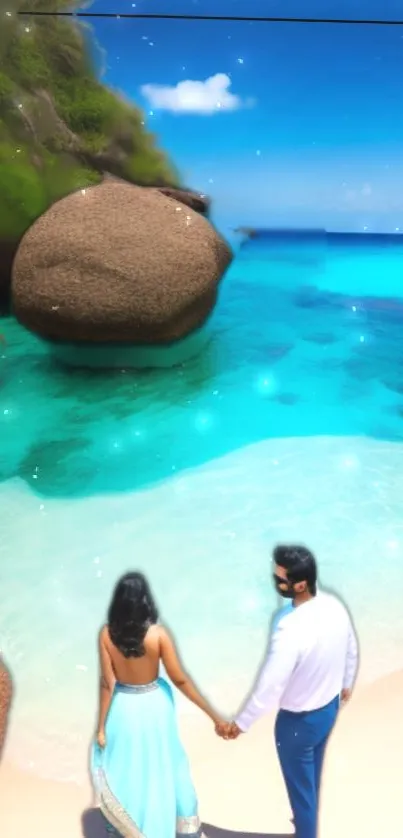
pixel 5 701
pixel 194 200
pixel 118 264
pixel 60 127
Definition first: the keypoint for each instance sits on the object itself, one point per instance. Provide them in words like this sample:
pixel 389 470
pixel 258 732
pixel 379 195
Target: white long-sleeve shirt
pixel 313 655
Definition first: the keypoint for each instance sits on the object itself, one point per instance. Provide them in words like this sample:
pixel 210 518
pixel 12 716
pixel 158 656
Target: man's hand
pixel 235 731
pixel 227 730
pixel 222 728
pixel 101 738
pixel 345 695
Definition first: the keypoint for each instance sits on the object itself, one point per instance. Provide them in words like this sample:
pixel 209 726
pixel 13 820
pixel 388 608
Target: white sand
pixel 239 783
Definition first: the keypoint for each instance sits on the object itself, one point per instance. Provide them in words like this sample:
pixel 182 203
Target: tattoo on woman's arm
pixel 104 683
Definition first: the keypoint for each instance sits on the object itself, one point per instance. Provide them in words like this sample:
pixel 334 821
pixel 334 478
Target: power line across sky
pixel 222 18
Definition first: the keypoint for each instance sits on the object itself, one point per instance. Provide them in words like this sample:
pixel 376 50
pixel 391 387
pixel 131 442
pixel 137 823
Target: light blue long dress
pixel 142 777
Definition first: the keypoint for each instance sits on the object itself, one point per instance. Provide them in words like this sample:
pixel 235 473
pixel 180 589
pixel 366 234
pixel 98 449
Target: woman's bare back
pixel 135 671
pixel 158 646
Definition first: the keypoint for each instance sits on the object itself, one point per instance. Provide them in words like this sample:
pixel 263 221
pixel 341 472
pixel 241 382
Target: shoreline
pixel 360 789
pixel 343 502
pixel 50 759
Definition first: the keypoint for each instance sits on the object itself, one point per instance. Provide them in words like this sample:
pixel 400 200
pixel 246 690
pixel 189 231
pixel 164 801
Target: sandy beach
pixel 239 783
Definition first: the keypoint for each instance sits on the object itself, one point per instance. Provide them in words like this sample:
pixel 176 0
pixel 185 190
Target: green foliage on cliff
pixel 60 127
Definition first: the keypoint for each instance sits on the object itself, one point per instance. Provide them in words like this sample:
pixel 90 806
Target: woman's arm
pixel 181 679
pixel 106 685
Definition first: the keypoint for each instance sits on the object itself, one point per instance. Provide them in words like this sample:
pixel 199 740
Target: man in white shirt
pixel 311 665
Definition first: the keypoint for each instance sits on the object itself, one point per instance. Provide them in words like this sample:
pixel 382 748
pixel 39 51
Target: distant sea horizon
pixel 238 235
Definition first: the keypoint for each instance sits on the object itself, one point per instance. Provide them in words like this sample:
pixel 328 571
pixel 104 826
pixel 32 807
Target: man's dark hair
pixel 299 563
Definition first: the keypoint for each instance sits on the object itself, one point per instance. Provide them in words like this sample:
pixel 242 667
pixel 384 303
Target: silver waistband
pixel 136 689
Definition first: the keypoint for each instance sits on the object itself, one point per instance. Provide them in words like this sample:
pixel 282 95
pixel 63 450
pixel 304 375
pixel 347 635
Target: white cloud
pixel 355 196
pixel 197 97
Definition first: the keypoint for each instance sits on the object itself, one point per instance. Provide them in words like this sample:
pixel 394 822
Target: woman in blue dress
pixel 139 768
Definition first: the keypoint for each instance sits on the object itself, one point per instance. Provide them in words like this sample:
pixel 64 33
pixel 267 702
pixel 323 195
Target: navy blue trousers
pixel 301 740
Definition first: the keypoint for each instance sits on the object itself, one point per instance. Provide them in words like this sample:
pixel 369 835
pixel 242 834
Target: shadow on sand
pixel 94 826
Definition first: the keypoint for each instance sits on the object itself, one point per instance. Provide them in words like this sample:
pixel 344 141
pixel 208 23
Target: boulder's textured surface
pixel 118 264
pixel 5 701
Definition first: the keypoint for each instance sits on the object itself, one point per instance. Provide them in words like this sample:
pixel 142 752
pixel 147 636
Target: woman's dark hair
pixel 299 563
pixel 131 612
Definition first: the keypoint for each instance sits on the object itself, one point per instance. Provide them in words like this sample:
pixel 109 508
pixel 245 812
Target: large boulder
pixel 5 701
pixel 117 263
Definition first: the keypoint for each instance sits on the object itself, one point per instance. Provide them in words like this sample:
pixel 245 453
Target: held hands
pixel 227 730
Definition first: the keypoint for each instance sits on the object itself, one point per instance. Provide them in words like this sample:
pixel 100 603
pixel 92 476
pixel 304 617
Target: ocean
pixel 286 425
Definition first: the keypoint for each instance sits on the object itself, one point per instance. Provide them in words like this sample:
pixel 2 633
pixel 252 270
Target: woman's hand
pixel 227 730
pixel 101 738
pixel 222 728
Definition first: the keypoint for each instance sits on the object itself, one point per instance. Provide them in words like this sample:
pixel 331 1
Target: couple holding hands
pixel 139 768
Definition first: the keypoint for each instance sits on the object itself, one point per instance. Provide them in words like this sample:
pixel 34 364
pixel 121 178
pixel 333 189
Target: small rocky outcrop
pixel 195 200
pixel 118 264
pixel 5 701
pixel 248 232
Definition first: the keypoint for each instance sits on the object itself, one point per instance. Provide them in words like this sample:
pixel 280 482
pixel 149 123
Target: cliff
pixel 60 127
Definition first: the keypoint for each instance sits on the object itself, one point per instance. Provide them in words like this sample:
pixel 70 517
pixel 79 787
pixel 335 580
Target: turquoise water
pixel 300 326
pixel 289 424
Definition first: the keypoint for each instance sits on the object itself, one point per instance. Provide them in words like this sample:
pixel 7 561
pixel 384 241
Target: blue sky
pixel 282 124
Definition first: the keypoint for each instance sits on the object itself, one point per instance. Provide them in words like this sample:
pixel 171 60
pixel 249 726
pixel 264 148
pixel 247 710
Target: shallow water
pixel 289 425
